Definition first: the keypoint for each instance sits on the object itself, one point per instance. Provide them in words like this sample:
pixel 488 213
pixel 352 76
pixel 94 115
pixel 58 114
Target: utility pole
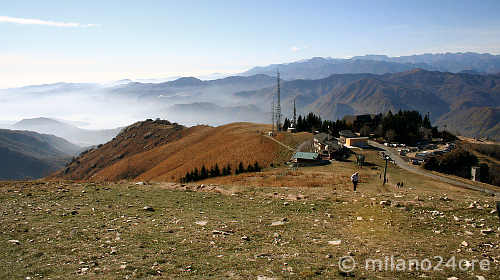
pixel 294 115
pixel 385 169
pixel 278 106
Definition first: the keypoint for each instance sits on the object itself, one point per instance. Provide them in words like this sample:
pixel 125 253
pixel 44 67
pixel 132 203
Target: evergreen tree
pixel 203 173
pixel 216 170
pixel 250 168
pixel 256 167
pixel 228 169
pixel 286 124
pixel 195 176
pixel 240 169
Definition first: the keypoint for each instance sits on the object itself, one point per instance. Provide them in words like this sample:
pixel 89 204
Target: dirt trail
pixel 286 146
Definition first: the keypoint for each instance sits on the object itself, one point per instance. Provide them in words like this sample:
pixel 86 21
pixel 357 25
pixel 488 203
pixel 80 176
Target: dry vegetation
pixel 223 227
pixel 98 230
pixel 179 150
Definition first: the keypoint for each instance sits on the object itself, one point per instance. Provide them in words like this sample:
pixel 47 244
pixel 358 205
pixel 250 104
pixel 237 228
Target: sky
pixel 98 41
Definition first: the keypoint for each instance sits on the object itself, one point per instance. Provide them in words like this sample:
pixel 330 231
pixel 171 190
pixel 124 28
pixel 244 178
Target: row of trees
pixel 459 162
pixel 311 122
pixel 407 127
pixel 215 171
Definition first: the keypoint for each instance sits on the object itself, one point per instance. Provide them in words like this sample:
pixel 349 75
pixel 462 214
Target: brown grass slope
pixel 181 150
pixel 134 139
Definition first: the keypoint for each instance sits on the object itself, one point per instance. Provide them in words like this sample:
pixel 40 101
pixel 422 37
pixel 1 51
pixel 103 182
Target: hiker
pixel 355 179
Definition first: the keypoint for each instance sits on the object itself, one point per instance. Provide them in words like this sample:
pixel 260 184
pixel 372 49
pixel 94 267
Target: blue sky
pixel 51 41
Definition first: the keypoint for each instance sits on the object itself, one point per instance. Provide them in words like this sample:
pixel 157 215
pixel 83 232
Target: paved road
pixel 404 165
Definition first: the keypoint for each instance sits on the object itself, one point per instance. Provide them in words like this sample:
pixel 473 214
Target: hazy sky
pixel 66 40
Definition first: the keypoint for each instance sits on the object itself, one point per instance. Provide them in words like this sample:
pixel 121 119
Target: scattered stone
pixel 280 222
pixel 486 231
pixel 113 251
pixel 244 237
pixel 385 203
pixel 148 208
pixel 328 256
pixel 335 242
pixel 221 232
pixel 84 269
pixel 479 277
pixel 262 277
pixel 359 218
pixel 201 223
pixel 140 183
pixel 123 266
pixel 452 278
pixel 13 241
pixel 464 243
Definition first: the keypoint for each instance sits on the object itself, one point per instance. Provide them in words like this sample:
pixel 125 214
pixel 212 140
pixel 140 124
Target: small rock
pixel 464 243
pixel 113 251
pixel 385 203
pixel 335 242
pixel 201 223
pixel 148 208
pixel 123 266
pixel 479 277
pixel 452 278
pixel 359 218
pixel 261 277
pixel 13 241
pixel 328 256
pixel 140 183
pixel 244 237
pixel 84 269
pixel 277 223
pixel 486 231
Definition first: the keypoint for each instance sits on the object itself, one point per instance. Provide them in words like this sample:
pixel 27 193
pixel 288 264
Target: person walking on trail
pixel 354 180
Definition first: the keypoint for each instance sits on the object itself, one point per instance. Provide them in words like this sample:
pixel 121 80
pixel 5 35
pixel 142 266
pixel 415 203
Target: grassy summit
pixel 167 230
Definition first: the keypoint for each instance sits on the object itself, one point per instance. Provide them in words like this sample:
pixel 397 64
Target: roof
pixel 304 155
pixel 321 137
pixel 347 134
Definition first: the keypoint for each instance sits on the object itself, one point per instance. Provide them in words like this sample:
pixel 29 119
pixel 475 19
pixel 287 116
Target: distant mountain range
pixel 456 100
pixel 319 67
pixel 79 136
pixel 30 155
pixel 453 87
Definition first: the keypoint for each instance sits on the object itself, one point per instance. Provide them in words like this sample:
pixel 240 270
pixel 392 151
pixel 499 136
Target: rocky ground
pixel 60 230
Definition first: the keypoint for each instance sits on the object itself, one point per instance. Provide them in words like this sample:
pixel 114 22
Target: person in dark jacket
pixel 354 180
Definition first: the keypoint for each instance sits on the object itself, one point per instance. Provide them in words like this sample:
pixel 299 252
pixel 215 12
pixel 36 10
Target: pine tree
pixel 203 173
pixel 195 175
pixel 228 169
pixel 250 168
pixel 256 167
pixel 216 170
pixel 240 169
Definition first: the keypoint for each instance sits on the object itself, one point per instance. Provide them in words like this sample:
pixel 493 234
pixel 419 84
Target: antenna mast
pixel 278 106
pixel 294 115
pixel 273 113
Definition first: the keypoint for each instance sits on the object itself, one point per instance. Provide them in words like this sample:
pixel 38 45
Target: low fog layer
pixel 188 101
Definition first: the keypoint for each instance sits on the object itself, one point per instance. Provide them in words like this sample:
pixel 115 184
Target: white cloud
pixel 32 21
pixel 296 49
